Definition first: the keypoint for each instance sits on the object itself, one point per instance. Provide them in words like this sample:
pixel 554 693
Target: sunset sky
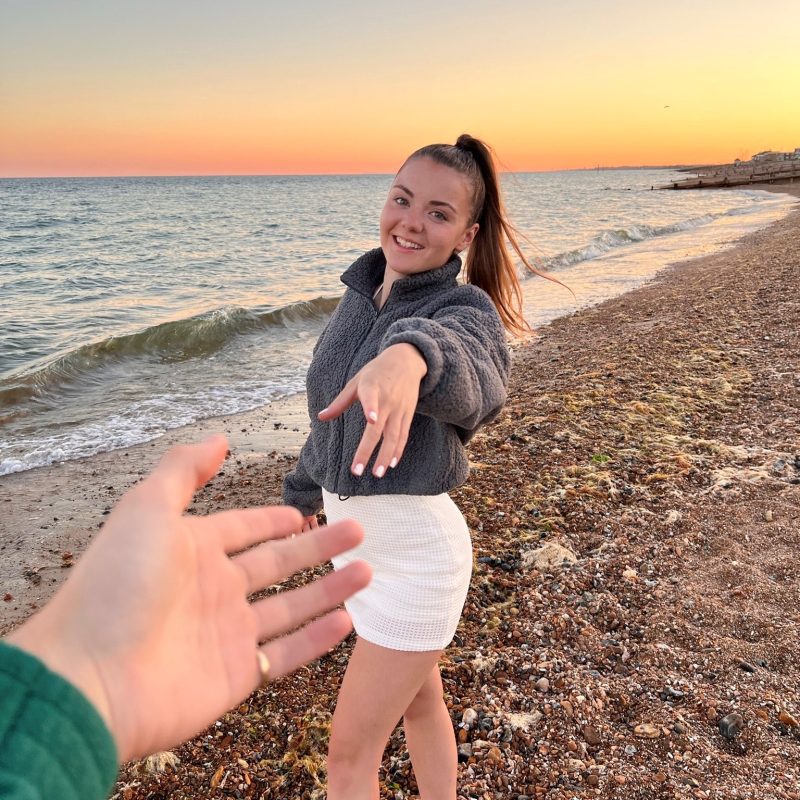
pixel 104 87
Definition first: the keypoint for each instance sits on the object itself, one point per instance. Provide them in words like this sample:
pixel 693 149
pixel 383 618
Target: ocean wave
pixel 610 239
pixel 140 422
pixel 171 342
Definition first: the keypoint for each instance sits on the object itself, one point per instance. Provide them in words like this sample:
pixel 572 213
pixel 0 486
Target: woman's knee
pixel 427 699
pixel 350 749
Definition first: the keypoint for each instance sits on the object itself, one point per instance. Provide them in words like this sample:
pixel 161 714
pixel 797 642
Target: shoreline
pixel 603 264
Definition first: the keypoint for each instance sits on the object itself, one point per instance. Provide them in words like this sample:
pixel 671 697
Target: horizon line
pixel 597 168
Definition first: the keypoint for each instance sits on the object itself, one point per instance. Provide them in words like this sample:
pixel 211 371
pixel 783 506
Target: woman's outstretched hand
pixel 388 389
pixel 154 625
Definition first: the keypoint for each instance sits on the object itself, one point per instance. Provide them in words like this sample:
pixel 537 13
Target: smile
pixel 405 243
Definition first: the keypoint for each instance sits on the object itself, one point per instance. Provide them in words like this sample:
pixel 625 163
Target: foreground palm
pixel 154 626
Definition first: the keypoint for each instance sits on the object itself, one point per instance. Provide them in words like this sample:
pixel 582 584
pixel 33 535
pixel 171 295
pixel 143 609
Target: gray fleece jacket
pixel 457 330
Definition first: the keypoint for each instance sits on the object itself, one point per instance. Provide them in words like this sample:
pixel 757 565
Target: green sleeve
pixel 53 743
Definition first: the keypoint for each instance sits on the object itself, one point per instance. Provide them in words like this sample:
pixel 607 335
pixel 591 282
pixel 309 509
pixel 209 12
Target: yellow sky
pixel 123 88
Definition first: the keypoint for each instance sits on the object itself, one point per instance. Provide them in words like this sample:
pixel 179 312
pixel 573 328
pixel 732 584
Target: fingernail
pixel 324 411
pixel 373 416
pixel 393 463
pixel 359 470
pixel 379 472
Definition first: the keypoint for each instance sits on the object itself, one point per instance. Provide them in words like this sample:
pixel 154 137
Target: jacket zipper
pixel 346 372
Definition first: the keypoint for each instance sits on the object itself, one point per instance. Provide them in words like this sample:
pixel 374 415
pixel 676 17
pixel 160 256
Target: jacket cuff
pixel 428 349
pixel 52 739
pixel 307 502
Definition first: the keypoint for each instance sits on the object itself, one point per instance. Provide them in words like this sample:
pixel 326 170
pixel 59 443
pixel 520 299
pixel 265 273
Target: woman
pixel 427 359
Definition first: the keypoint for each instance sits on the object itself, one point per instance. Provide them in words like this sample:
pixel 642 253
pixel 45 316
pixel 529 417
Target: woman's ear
pixel 468 237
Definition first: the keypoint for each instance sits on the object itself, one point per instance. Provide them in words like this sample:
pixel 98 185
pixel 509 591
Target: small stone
pixel 469 717
pixel 593 779
pixel 762 713
pixel 673 517
pixel 679 728
pixel 768 516
pixel 646 731
pixel 730 726
pixel 494 755
pixel 660 777
pixel 592 735
pixel 618 779
pixel 542 685
pixel 745 665
pixel 464 751
pixel 8 597
pixel 672 694
pixel 630 574
pixel 787 719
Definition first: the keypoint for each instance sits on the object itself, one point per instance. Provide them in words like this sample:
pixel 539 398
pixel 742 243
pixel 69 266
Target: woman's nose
pixel 414 221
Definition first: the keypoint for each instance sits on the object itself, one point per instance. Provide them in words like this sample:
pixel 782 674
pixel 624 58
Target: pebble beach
pixel 632 624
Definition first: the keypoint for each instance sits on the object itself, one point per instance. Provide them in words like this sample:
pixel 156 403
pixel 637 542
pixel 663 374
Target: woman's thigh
pixel 378 687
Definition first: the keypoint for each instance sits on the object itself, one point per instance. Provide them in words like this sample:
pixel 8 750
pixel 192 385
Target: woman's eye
pixel 439 215
pixel 401 201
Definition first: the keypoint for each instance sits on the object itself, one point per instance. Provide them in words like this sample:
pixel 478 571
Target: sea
pixel 132 306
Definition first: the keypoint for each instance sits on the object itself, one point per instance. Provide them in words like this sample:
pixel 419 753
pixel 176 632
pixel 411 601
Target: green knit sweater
pixel 53 743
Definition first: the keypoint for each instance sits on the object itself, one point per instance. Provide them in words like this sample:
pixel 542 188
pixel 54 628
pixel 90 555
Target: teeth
pixel 405 243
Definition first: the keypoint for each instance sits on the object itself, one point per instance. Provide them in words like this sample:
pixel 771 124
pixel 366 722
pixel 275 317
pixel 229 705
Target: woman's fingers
pixel 342 401
pixel 273 561
pixel 395 435
pixel 287 610
pixel 316 639
pixel 402 439
pixel 240 529
pixel 369 441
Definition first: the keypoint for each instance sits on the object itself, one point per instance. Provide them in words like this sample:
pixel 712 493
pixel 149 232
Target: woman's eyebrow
pixel 432 202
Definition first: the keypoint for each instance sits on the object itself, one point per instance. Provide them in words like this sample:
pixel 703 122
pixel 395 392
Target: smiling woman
pixel 423 227
pixel 410 366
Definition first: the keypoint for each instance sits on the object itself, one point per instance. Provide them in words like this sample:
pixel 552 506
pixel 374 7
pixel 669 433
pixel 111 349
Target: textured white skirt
pixel 420 552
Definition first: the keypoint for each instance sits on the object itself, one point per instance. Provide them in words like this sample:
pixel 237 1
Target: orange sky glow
pixel 91 88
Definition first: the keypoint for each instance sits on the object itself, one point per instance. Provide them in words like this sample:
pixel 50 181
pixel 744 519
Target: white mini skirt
pixel 420 552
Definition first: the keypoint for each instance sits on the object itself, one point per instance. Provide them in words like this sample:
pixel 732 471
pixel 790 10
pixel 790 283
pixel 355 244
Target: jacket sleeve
pixel 468 362
pixel 53 743
pixel 300 489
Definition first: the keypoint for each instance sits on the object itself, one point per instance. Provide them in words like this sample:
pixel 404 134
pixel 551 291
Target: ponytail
pixel 488 265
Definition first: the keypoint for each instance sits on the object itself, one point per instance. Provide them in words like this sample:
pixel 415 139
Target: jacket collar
pixel 366 273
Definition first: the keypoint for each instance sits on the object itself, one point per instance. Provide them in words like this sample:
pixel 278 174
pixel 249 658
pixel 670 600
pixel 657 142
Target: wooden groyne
pixel 739 175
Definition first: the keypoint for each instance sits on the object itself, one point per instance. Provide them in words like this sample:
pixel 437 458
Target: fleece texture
pixel 53 744
pixel 458 332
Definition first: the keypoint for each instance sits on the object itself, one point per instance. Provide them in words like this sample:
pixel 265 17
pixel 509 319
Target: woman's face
pixel 426 217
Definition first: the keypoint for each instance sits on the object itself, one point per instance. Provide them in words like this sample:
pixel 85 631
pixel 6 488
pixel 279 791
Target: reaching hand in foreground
pixel 388 388
pixel 154 625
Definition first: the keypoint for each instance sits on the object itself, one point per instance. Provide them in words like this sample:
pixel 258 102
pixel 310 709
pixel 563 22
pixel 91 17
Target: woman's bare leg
pixel 431 741
pixel 378 687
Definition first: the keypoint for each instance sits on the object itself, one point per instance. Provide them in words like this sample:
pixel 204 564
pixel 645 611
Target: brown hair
pixel 489 265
